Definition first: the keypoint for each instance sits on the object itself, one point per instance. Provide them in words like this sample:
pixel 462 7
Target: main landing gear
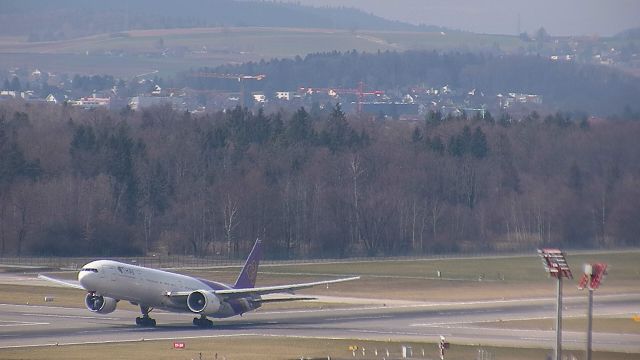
pixel 145 320
pixel 203 322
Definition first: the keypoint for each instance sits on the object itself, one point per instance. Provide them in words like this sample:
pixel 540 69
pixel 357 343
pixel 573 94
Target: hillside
pixel 135 52
pixel 40 20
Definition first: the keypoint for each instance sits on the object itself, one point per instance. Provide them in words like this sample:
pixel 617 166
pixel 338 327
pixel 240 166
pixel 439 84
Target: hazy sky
pixel 559 17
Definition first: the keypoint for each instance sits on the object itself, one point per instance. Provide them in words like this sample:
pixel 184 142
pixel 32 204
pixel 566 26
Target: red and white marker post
pixel 591 279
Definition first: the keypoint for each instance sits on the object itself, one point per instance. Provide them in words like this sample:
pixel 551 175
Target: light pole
pixel 593 275
pixel 442 346
pixel 556 265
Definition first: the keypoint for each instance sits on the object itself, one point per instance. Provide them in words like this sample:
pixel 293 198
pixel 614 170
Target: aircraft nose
pixel 86 277
pixel 82 278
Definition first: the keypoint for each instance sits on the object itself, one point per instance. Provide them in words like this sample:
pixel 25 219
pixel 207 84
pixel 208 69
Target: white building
pixel 259 98
pixel 139 102
pixel 92 102
pixel 283 95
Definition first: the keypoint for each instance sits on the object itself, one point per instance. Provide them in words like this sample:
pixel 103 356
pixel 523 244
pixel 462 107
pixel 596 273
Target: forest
pixel 311 184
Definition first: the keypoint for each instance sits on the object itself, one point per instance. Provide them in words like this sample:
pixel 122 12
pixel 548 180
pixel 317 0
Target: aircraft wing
pixel 236 293
pixel 233 293
pixel 67 283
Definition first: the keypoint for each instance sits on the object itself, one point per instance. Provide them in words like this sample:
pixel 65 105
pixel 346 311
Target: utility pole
pixel 556 265
pixel 593 275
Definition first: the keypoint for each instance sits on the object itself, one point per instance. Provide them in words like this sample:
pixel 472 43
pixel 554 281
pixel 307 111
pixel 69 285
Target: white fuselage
pixel 143 286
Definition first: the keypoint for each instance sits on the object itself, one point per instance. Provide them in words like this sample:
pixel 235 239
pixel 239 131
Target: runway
pixel 461 323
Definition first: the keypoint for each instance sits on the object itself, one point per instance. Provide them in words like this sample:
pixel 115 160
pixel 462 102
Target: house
pixel 51 99
pixel 518 98
pixel 283 95
pixel 13 94
pixel 259 98
pixel 139 102
pixel 408 99
pixel 91 102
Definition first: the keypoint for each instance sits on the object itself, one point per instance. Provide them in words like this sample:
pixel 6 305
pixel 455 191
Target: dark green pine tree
pixel 13 164
pixel 160 189
pixel 433 118
pixel 479 145
pixel 466 139
pixel 122 151
pixel 15 84
pixel 455 146
pixel 437 146
pixel 299 129
pixel 84 151
pixel 489 118
pixel 337 132
pixel 416 136
pixel 576 178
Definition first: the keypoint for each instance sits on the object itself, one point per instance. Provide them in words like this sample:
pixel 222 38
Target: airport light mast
pixel 591 279
pixel 556 265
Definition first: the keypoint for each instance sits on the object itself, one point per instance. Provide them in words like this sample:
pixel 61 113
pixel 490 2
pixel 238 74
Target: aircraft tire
pixel 203 323
pixel 145 322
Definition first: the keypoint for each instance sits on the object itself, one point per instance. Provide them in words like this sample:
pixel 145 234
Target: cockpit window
pixel 89 270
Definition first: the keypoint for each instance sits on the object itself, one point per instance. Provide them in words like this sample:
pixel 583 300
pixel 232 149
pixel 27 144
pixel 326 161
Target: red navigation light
pixel 593 275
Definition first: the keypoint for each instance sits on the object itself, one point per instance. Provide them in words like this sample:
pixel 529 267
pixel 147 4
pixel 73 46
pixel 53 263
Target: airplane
pixel 107 282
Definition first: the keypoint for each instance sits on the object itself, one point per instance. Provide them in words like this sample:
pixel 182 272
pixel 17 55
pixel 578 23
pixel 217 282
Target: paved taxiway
pixel 24 325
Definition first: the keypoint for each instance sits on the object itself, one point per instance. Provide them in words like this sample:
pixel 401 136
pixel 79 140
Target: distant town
pixel 412 101
pixel 413 104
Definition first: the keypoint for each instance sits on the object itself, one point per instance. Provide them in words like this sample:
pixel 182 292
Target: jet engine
pixel 203 302
pixel 100 304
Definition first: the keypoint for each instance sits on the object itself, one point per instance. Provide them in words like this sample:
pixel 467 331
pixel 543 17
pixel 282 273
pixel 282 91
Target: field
pixel 141 51
pixel 275 348
pixel 613 325
pixel 461 279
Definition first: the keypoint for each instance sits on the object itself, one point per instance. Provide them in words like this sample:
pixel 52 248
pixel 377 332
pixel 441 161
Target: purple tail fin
pixel 247 277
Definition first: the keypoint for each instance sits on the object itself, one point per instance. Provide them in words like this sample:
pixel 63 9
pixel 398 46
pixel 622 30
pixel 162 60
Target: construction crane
pixel 359 92
pixel 238 77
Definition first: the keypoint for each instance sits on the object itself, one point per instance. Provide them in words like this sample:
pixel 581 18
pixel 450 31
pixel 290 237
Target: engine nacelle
pixel 203 302
pixel 100 304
